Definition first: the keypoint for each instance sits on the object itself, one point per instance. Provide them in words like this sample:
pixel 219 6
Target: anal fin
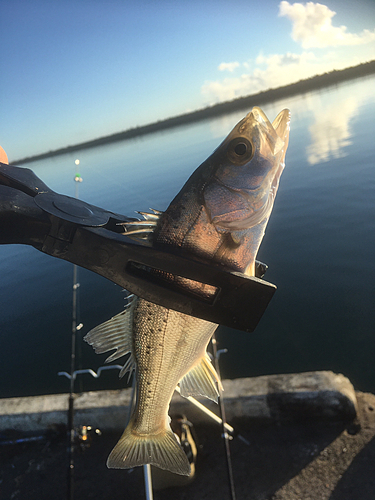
pixel 201 380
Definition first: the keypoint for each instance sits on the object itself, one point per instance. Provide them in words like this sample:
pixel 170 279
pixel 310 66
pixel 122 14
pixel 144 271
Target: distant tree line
pixel 300 87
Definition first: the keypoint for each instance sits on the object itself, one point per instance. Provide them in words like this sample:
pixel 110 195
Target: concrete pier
pixel 310 395
pixel 307 436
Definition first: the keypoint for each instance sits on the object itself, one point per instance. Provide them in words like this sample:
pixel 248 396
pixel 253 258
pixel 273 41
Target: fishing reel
pixel 84 435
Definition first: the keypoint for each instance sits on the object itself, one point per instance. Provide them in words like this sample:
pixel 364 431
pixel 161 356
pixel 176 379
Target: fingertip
pixel 3 156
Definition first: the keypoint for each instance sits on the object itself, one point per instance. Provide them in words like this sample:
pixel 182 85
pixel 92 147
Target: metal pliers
pixel 93 238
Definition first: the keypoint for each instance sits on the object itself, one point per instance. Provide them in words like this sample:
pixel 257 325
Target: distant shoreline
pixel 260 98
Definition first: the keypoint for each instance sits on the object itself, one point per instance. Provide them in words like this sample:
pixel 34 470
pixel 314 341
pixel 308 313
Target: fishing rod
pixel 226 436
pixel 75 327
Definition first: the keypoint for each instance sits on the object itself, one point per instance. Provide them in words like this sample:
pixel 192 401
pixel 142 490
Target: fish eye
pixel 240 150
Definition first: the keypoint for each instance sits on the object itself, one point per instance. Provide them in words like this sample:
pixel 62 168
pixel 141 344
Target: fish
pixel 219 217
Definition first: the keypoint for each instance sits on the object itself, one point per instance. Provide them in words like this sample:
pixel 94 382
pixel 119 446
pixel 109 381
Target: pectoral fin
pixel 116 333
pixel 201 380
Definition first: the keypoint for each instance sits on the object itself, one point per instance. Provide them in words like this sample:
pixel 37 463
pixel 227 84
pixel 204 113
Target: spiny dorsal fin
pixel 142 229
pixel 116 333
pixel 201 381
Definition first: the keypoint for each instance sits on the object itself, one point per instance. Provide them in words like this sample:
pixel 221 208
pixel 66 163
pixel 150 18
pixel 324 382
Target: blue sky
pixel 76 70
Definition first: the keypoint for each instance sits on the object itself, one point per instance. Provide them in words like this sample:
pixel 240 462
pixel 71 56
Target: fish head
pixel 221 212
pixel 245 172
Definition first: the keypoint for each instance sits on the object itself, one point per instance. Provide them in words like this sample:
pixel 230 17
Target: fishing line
pixel 223 422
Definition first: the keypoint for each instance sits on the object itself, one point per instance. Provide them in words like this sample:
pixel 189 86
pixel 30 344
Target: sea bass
pixel 219 216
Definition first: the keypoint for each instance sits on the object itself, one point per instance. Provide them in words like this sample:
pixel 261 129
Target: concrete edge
pixel 286 397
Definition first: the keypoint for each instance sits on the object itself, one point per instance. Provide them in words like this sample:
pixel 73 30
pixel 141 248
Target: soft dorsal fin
pixel 201 380
pixel 116 333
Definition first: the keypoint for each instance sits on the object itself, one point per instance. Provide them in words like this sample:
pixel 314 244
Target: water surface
pixel 319 246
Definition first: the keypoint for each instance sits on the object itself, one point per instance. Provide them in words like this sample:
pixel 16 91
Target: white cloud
pixel 312 26
pixel 228 66
pixel 276 70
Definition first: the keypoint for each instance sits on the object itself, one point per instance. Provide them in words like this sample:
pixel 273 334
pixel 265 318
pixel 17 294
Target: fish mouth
pixel 281 125
pixel 276 134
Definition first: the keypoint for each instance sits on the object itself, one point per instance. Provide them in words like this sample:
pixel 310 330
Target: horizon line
pixel 262 97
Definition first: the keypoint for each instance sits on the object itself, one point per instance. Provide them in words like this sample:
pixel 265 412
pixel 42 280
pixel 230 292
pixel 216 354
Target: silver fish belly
pixel 219 216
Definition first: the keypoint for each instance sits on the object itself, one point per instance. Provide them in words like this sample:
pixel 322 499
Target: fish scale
pixel 160 353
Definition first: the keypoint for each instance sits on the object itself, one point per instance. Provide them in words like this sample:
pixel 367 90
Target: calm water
pixel 319 246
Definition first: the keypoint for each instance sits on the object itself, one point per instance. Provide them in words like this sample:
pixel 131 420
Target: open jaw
pixel 279 132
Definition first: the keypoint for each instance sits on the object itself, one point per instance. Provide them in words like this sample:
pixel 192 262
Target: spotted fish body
pixel 219 216
pixel 166 345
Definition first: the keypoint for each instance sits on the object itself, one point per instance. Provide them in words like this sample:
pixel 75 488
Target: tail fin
pixel 161 450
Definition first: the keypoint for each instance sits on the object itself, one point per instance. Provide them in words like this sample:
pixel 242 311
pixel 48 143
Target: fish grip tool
pixel 91 237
